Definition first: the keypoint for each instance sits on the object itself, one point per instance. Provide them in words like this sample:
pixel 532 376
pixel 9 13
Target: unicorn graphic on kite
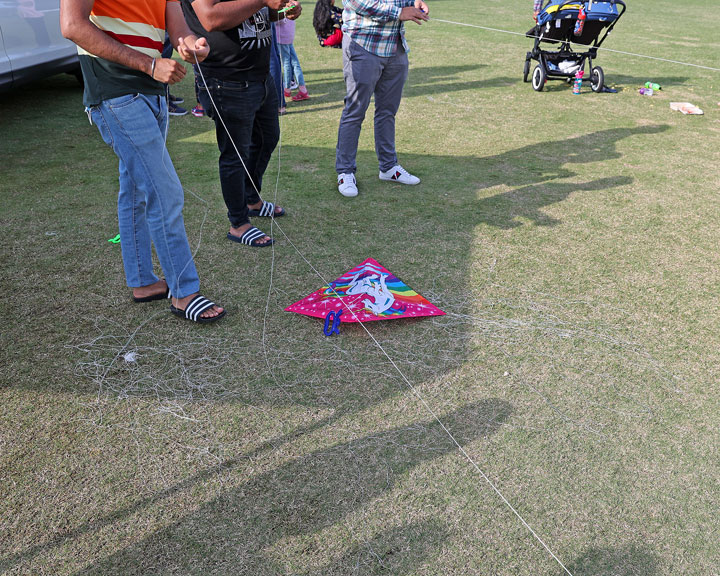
pixel 384 299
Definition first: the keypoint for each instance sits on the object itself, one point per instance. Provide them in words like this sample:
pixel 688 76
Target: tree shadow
pixel 506 210
pixel 306 496
pixel 538 176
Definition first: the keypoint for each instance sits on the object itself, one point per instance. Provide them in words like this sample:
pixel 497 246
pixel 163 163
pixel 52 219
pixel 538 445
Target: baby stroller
pixel 556 25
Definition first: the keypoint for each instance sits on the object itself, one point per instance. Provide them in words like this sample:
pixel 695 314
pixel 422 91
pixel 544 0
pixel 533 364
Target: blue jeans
pixel 291 66
pixel 250 112
pixel 367 74
pixel 276 67
pixel 151 197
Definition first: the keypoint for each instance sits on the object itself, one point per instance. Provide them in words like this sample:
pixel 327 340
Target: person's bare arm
pixel 185 42
pixel 215 15
pixel 76 26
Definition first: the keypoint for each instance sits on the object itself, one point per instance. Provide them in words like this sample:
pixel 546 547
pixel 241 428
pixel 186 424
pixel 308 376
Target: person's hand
pixel 192 47
pixel 414 14
pixel 168 71
pixel 535 15
pixel 420 5
pixel 275 4
pixel 295 10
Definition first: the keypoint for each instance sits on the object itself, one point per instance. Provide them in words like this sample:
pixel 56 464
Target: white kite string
pixel 272 258
pixel 380 347
pixel 578 44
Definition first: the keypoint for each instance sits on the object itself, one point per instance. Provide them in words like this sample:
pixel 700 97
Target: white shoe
pixel 399 174
pixel 347 186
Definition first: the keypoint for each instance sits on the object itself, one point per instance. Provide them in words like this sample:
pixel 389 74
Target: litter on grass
pixel 686 108
pixel 130 356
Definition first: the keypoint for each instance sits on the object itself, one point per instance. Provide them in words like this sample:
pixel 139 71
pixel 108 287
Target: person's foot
pixel 282 110
pixel 301 95
pixel 347 185
pixel 181 304
pixel 287 93
pixel 151 291
pixel 198 111
pixel 398 174
pixel 240 230
pixel 175 110
pixel 176 99
pixel 257 206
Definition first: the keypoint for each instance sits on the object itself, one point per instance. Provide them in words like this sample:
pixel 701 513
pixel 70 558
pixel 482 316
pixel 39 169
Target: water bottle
pixel 578 81
pixel 537 5
pixel 580 24
pixel 652 86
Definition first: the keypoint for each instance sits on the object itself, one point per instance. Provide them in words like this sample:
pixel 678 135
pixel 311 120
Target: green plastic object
pixel 652 85
pixel 115 240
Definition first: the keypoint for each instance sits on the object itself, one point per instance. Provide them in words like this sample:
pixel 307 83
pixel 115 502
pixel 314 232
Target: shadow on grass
pixel 628 561
pixel 422 80
pixel 504 210
pixel 639 81
pixel 530 179
pixel 534 172
pixel 537 175
pixel 291 506
pixel 621 82
pixel 397 551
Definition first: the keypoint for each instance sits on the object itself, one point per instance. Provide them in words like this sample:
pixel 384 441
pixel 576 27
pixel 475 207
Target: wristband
pixel 152 69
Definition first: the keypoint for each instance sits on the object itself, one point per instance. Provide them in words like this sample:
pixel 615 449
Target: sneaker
pixel 176 99
pixel 301 96
pixel 399 174
pixel 347 186
pixel 287 93
pixel 198 111
pixel 175 110
pixel 293 85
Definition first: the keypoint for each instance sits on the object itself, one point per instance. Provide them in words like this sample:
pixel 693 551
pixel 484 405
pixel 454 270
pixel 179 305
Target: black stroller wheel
pixel 597 79
pixel 538 78
pixel 526 71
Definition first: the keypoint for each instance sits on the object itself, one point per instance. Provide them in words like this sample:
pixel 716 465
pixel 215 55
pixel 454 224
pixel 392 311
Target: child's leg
pixel 287 67
pixel 296 70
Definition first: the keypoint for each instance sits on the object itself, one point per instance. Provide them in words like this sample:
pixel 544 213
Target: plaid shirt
pixel 375 24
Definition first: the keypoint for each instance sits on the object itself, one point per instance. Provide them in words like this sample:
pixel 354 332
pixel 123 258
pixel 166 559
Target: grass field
pixel 572 241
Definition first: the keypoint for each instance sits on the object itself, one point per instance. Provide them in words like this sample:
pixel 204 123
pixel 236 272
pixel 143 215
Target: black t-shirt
pixel 238 54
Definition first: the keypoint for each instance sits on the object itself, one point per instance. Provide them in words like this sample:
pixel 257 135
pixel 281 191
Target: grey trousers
pixel 366 75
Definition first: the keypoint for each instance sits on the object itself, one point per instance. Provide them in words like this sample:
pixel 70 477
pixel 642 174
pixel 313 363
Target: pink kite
pixel 365 293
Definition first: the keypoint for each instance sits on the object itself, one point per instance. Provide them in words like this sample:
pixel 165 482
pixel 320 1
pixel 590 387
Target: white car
pixel 31 45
